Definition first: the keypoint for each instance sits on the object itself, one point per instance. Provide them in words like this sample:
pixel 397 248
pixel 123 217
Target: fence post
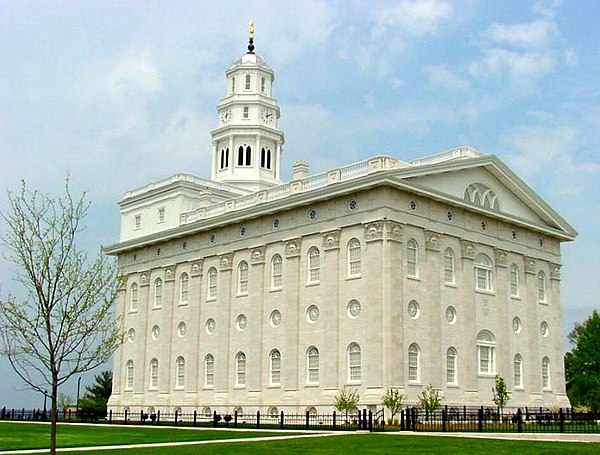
pixel 214 419
pixel 126 412
pixel 402 420
pixel 334 420
pixel 444 414
pixel 110 416
pixel 235 416
pixel 480 419
pixel 370 421
pixel 195 415
pixel 281 421
pixel 257 419
pixel 465 412
pixel 158 417
pixel 142 416
pixel 519 421
pixel 307 420
pixel 562 420
pixel 176 416
pixel 69 415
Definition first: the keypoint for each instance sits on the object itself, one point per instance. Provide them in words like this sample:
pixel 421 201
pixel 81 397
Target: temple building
pixel 243 292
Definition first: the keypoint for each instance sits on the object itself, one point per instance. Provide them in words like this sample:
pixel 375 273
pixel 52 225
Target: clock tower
pixel 247 145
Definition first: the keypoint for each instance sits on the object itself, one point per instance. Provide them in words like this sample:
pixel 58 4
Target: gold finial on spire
pixel 251 30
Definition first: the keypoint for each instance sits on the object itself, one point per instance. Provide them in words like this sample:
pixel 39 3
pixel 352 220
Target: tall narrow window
pixel 209 370
pixel 354 258
pixel 248 156
pixel 518 370
pixel 276 272
pixel 133 297
pixel 514 280
pixel 240 369
pixel 483 273
pixel 180 373
pixel 541 287
pixel 268 159
pixel 138 222
pixel 184 281
pixel 157 293
pixel 414 363
pixel 160 215
pixel 275 367
pixel 262 84
pixel 312 365
pixel 263 158
pixel 154 374
pixel 129 370
pixel 546 373
pixel 354 363
pixel 451 358
pixel 486 352
pixel 240 160
pixel 247 87
pixel 246 113
pixel 243 278
pixel 233 85
pixel 449 276
pixel 412 258
pixel 314 265
pixel 212 283
pixel 225 158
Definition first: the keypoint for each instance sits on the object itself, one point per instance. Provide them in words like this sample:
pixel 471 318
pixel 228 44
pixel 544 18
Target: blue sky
pixel 120 93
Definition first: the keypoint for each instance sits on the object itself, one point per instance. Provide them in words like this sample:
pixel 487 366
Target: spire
pixel 251 37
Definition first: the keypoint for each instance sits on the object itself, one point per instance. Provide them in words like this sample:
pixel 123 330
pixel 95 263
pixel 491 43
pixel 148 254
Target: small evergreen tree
pixel 393 401
pixel 501 393
pixel 95 400
pixel 346 401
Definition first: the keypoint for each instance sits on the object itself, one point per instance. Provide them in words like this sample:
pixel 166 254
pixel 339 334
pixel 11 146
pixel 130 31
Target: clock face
pixel 226 116
pixel 266 115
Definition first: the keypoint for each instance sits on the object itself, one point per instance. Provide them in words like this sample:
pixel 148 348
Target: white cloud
pixel 520 66
pixel 536 34
pixel 441 76
pixel 413 17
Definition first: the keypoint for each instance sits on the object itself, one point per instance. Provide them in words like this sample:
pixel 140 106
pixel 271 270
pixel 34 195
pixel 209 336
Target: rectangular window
pixel 313 369
pixel 276 370
pixel 161 215
pixel 233 85
pixel 355 373
pixel 262 84
pixel 487 361
pixel 138 222
pixel 413 366
pixel 276 273
pixel 247 82
pixel 246 112
pixel 209 379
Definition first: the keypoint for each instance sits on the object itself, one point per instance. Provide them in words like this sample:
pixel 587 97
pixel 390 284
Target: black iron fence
pixel 495 420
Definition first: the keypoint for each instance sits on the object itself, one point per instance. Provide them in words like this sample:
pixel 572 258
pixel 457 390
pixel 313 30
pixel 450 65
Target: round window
pixel 451 315
pixel 181 328
pixel 413 309
pixel 312 313
pixel 210 326
pixel 155 332
pixel 354 309
pixel 275 318
pixel 241 322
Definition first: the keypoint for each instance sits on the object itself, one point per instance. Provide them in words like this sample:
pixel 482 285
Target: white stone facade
pixel 250 293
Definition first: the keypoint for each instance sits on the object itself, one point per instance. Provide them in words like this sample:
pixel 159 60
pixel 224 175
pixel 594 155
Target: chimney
pixel 299 170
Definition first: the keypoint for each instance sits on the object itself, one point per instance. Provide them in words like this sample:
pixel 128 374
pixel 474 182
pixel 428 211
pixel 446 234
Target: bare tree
pixel 65 324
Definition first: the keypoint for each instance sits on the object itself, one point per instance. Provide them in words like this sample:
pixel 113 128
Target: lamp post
pixel 77 405
pixel 45 397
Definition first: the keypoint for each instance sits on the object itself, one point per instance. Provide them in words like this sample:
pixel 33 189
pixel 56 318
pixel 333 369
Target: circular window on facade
pixel 354 309
pixel 210 326
pixel 450 315
pixel 276 223
pixel 131 335
pixel 275 318
pixel 413 309
pixel 353 205
pixel 412 205
pixel 544 329
pixel 312 215
pixel 312 313
pixel 181 328
pixel 155 332
pixel 241 322
pixel 516 325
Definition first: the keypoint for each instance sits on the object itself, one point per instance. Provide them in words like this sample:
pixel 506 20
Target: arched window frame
pixel 312 365
pixel 243 278
pixel 247 85
pixel 263 158
pixel 209 370
pixel 133 297
pixel 314 265
pixel 275 368
pixel 224 164
pixel 268 158
pixel 486 353
pixel 484 277
pixel 276 272
pixel 414 363
pixel 514 280
pixel 184 283
pixel 451 366
pixel 546 382
pixel 129 374
pixel 248 156
pixel 211 291
pixel 240 369
pixel 273 412
pixel 158 293
pixel 518 371
pixel 412 258
pixel 354 258
pixel 542 294
pixel 449 267
pixel 354 363
pixel 180 373
pixel 153 374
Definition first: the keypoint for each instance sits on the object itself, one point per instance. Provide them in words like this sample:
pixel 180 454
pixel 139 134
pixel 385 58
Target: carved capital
pixel 331 239
pixel 226 262
pixel 555 272
pixel 529 265
pixel 373 231
pixel 394 231
pixel 501 257
pixel 432 240
pixel 257 255
pixel 145 278
pixel 467 249
pixel 196 267
pixel 292 247
pixel 169 273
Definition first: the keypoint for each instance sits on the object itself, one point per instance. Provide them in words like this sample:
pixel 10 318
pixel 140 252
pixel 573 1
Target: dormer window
pixel 247 82
pixel 263 84
pixel 246 112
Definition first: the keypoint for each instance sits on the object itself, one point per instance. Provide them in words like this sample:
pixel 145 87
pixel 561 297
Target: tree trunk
pixel 53 416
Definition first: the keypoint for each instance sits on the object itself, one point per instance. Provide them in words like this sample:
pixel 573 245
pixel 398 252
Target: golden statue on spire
pixel 251 30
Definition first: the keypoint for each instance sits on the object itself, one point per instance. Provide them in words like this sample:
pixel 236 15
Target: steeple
pixel 247 145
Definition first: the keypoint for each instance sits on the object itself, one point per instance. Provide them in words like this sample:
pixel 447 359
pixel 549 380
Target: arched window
pixel 225 158
pixel 276 272
pixel 314 265
pixel 354 258
pixel 133 297
pixel 212 283
pixel 263 158
pixel 247 86
pixel 238 410
pixel 248 156
pixel 273 412
pixel 240 369
pixel 157 293
pixel 483 273
pixel 243 278
pixel 312 365
pixel 275 367
pixel 129 371
pixel 451 366
pixel 207 411
pixel 268 158
pixel 546 373
pixel 240 156
pixel 541 279
pixel 354 363
pixel 514 280
pixel 449 275
pixel 486 352
pixel 209 370
pixel 518 370
pixel 414 360
pixel 153 374
pixel 412 258
pixel 184 280
pixel 180 373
